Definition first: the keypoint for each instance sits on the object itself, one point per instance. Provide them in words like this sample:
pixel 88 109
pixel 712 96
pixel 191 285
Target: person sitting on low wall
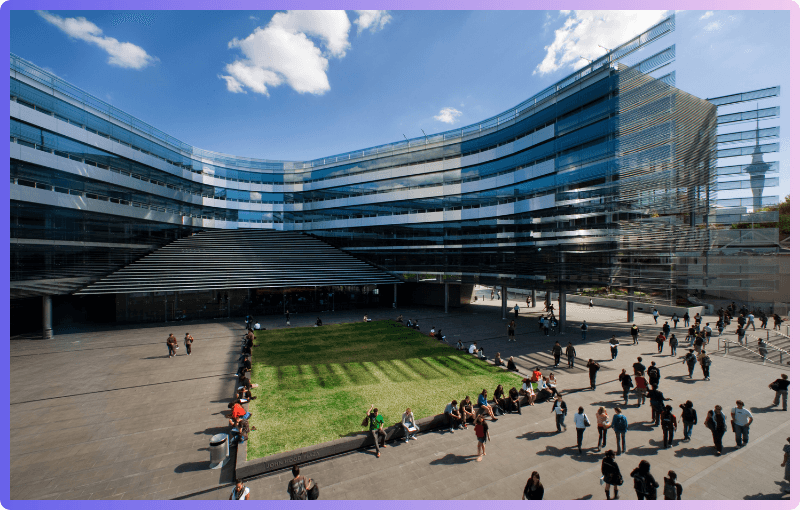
pixel 467 411
pixel 237 411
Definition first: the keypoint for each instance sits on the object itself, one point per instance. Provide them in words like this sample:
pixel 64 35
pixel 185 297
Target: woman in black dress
pixel 611 474
pixel 534 488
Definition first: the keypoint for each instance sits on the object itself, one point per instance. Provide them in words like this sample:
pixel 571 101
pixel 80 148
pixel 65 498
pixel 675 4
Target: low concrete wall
pixel 665 312
pixel 247 468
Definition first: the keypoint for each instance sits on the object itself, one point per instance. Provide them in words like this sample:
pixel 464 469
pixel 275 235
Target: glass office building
pixel 607 178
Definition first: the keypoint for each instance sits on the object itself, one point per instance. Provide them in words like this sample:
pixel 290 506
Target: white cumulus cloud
pixel 122 54
pixel 713 26
pixel 293 48
pixel 372 20
pixel 708 14
pixel 448 115
pixel 583 31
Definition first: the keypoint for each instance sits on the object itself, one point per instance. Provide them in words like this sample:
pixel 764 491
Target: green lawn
pixel 316 384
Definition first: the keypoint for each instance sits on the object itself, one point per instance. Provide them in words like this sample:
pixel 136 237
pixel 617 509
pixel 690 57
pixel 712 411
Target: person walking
pixel 665 328
pixel 240 492
pixel 686 319
pixel 581 424
pixel 570 355
pixel 611 474
pixel 584 329
pixel 785 465
pixel 593 368
pixel 660 339
pixel 375 422
pixel 655 315
pixel 643 482
pixel 638 367
pixel 656 404
pixel 591 303
pixel 689 419
pixel 742 418
pixel 627 384
pixel 641 388
pixel 528 302
pixel 690 359
pixel 673 345
pixel 560 408
pixel 187 341
pixel 556 354
pixel 534 490
pixel 614 343
pixel 516 310
pixel 672 489
pixel 635 334
pixel 602 427
pixel 705 364
pixel 740 334
pixel 172 345
pixel 721 326
pixel 654 374
pixel 298 486
pixel 668 426
pixel 750 321
pixel 715 421
pixel 482 433
pixel 620 425
pixel 762 350
pixel 781 389
pixel 546 326
pixel 675 320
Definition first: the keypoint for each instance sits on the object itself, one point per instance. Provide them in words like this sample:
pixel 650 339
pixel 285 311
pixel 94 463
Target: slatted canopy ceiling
pixel 240 259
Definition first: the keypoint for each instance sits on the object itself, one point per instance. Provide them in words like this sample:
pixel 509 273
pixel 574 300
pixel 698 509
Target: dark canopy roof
pixel 240 259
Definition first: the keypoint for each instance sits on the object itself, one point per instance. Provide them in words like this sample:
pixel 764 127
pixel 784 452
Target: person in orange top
pixel 536 375
pixel 237 411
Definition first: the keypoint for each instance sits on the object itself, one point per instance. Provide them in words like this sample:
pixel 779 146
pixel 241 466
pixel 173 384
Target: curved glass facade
pixel 601 180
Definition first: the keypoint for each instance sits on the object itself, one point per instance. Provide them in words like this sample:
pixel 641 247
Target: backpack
pixel 706 361
pixel 297 489
pixel 670 491
pixel 653 373
pixel 668 421
pixel 639 483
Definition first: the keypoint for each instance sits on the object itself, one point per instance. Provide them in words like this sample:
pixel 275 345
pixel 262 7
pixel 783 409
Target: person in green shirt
pixel 375 422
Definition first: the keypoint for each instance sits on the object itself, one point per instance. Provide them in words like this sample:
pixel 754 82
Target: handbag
pixel 586 421
pixel 313 492
pixel 773 386
pixel 602 481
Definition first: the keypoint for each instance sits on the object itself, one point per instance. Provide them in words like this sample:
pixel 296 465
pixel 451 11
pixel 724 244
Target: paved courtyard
pixel 106 415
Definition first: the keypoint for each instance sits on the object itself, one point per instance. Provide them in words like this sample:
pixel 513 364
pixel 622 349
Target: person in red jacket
pixel 237 411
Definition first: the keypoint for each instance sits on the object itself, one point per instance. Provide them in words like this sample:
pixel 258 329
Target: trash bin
pixel 219 451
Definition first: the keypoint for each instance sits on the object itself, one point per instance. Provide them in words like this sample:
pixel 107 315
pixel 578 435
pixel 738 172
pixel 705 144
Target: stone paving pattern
pixel 104 414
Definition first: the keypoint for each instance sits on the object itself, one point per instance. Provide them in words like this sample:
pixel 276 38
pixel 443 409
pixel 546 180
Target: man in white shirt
pixel 655 315
pixel 707 330
pixel 750 320
pixel 742 418
pixel 473 348
pixel 258 325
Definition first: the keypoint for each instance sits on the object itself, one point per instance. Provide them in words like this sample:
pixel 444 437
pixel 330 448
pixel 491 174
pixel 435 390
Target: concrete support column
pixel 504 301
pixel 630 301
pixel 562 311
pixel 395 294
pixel 548 298
pixel 533 298
pixel 446 297
pixel 165 308
pixel 47 317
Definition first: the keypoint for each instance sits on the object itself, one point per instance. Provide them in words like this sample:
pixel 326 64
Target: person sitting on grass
pixel 244 381
pixel 400 319
pixel 366 319
pixel 466 411
pixel 460 346
pixel 511 365
pixel 473 349
pixel 319 322
pixel 439 336
pixel 416 324
pixel 483 404
pixel 237 411
pixel 498 362
pixel 432 334
pixel 481 356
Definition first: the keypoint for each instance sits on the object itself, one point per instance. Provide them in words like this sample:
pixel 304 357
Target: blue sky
pixel 302 85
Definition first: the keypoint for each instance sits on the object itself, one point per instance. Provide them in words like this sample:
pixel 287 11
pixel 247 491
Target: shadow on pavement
pixel 701 451
pixel 533 436
pixel 452 458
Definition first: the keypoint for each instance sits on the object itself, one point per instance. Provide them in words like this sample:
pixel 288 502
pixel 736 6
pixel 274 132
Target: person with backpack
pixel 686 319
pixel 654 374
pixel 534 490
pixel 668 426
pixel 672 489
pixel 643 482
pixel 620 425
pixel 675 320
pixel 240 492
pixel 375 423
pixel 593 368
pixel 781 389
pixel 584 329
pixel 581 424
pixel 716 423
pixel 298 486
pixel 673 345
pixel 482 433
pixel 611 474
pixel 690 359
pixel 627 384
pixel 689 418
pixel 705 364
pixel 656 404
pixel 614 344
